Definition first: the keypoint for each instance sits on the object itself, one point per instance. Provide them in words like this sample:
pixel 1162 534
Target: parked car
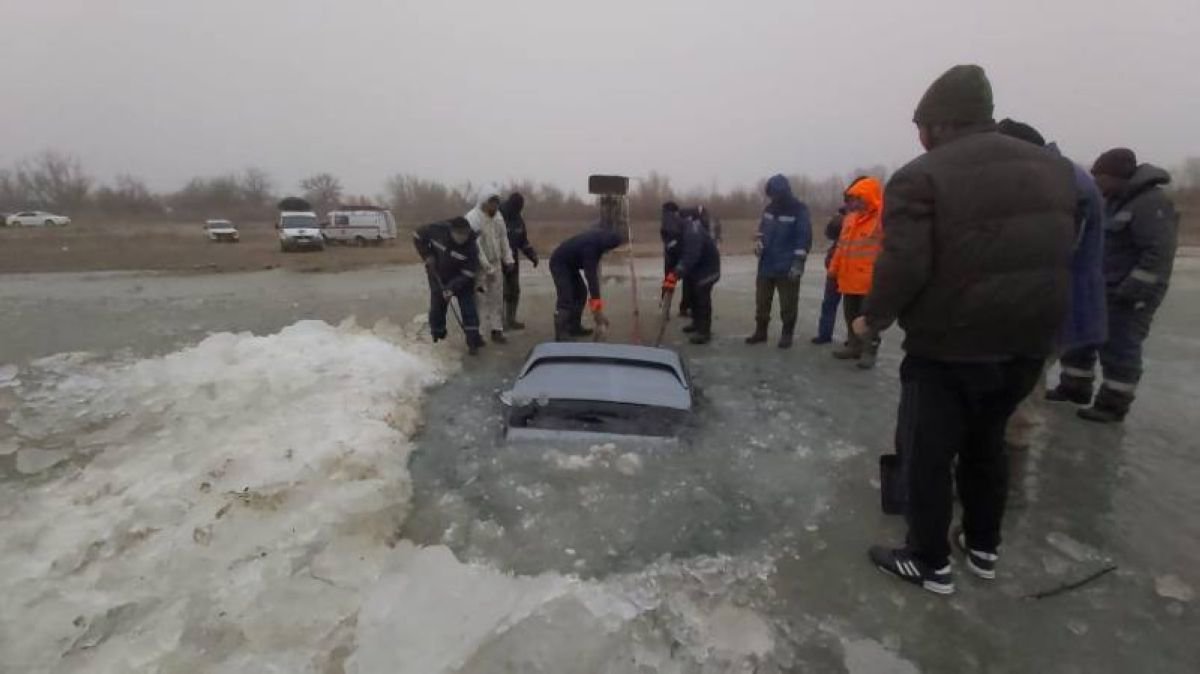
pixel 594 392
pixel 360 226
pixel 299 230
pixel 37 219
pixel 221 230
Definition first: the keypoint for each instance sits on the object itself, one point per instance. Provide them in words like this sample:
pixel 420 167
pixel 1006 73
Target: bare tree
pixel 648 194
pixel 323 191
pixel 127 197
pixel 53 180
pixel 255 186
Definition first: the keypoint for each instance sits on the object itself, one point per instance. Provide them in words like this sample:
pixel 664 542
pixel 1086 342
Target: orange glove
pixel 596 305
pixel 670 282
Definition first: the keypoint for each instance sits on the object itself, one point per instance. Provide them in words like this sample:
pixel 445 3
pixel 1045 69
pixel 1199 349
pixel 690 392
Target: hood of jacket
pixel 1146 177
pixel 870 190
pixel 779 190
pixel 487 193
pixel 513 205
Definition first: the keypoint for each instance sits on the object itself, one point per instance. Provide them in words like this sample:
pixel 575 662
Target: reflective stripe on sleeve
pixel 1144 276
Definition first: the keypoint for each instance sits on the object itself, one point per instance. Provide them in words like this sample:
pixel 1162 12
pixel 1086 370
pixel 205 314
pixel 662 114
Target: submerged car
pixel 221 230
pixel 597 392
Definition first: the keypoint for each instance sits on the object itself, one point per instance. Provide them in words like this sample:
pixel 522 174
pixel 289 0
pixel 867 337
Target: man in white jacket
pixel 495 256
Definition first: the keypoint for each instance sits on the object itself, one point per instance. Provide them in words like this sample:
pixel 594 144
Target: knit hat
pixel 1021 131
pixel 962 95
pixel 1118 162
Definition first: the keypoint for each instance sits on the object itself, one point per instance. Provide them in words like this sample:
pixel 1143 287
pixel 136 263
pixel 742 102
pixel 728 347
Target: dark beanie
pixel 1118 162
pixel 962 95
pixel 1021 131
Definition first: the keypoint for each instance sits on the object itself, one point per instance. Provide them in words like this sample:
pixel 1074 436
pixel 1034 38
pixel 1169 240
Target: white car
pixel 221 230
pixel 37 219
pixel 299 230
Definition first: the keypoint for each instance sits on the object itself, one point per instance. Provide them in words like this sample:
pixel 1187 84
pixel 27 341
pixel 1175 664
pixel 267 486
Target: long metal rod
pixel 636 338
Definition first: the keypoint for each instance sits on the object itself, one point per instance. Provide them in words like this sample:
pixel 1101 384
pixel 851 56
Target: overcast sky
pixel 705 91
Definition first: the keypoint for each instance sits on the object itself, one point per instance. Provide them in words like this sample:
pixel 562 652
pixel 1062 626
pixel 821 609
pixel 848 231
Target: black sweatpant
pixel 571 297
pixel 701 300
pixel 957 410
pixel 512 290
pixel 852 306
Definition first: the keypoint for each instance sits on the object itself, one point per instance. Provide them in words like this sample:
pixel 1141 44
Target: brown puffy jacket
pixel 978 236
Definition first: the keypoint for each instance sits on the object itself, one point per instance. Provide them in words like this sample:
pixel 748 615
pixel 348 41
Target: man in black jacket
pixel 575 267
pixel 692 258
pixel 978 236
pixel 518 240
pixel 451 259
pixel 1140 236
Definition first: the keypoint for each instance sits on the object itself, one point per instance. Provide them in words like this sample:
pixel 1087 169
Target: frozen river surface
pixel 224 474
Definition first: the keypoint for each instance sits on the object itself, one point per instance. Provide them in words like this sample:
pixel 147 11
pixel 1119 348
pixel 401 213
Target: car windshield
pixel 590 416
pixel 297 221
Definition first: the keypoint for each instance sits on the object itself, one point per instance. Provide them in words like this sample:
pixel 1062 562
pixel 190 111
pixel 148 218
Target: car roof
pixel 218 221
pixel 286 213
pixel 614 373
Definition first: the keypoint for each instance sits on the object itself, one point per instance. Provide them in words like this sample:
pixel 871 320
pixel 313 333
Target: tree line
pixel 57 182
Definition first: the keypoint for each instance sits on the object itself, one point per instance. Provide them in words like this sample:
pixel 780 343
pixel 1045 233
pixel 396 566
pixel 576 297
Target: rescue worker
pixel 832 298
pixel 694 261
pixel 518 242
pixel 1086 323
pixel 853 264
pixel 689 215
pixel 495 258
pixel 782 244
pixel 1140 226
pixel 976 267
pixel 451 256
pixel 575 267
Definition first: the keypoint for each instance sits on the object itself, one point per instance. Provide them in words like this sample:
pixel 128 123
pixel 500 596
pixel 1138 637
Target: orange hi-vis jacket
pixel 853 263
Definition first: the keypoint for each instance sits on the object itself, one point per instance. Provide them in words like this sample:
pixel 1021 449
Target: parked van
pixel 299 230
pixel 360 226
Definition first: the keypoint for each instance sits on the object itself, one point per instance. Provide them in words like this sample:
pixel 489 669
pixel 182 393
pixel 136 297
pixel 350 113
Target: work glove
pixel 430 262
pixel 508 268
pixel 533 258
pixel 797 269
pixel 670 282
pixel 758 248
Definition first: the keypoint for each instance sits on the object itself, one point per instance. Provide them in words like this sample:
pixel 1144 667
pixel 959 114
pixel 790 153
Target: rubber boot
pixel 870 354
pixel 474 343
pixel 848 351
pixel 498 337
pixel 701 338
pixel 562 329
pixel 1110 407
pixel 510 317
pixel 1077 390
pixel 787 337
pixel 760 333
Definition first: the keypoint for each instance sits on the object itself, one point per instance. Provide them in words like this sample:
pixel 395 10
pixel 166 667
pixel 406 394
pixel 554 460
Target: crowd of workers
pixel 996 256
